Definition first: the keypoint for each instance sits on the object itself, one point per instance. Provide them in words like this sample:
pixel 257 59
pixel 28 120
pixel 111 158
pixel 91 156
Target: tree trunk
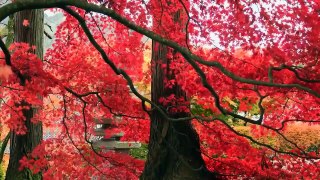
pixel 174 148
pixel 21 145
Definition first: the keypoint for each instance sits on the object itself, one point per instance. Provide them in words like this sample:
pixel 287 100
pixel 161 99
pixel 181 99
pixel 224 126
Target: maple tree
pixel 232 64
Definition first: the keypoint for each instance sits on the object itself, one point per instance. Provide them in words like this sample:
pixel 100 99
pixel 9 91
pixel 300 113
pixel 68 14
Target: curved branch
pixel 119 71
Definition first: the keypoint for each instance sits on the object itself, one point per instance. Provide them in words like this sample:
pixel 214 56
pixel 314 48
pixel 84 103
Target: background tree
pixel 28 28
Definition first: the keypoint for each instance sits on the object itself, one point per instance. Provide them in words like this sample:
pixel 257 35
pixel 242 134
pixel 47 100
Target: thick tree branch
pixel 119 71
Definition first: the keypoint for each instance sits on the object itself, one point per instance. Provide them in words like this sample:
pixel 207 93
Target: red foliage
pixel 269 54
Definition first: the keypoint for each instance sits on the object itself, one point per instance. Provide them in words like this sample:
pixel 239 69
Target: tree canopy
pixel 249 70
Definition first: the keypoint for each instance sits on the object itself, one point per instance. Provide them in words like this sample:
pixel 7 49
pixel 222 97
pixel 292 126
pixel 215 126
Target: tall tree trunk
pixel 174 148
pixel 21 145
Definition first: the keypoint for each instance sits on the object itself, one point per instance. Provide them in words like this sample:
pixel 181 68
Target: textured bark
pixel 21 145
pixel 174 148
